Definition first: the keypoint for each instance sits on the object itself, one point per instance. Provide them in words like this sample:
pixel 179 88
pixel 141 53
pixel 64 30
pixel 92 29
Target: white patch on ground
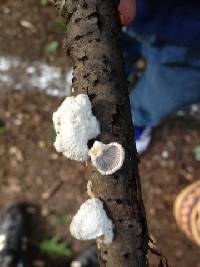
pixel 2 242
pixel 52 80
pixel 193 111
pixel 18 74
pixel 5 78
pixel 20 264
pixel 4 64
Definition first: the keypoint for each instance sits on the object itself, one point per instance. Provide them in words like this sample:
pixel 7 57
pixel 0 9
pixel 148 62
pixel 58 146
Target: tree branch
pixel 93 42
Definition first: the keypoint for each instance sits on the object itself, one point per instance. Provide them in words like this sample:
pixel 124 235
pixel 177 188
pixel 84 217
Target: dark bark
pixel 93 42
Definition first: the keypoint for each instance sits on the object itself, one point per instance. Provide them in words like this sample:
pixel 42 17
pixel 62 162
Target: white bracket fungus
pixel 107 158
pixel 75 125
pixel 91 222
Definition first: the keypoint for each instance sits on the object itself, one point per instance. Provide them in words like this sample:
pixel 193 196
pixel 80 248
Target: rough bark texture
pixel 93 42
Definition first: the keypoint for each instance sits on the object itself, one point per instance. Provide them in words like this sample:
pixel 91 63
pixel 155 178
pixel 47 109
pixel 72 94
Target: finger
pixel 127 9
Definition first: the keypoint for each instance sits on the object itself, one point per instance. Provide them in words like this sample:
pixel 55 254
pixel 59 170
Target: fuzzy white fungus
pixel 75 125
pixel 107 158
pixel 91 222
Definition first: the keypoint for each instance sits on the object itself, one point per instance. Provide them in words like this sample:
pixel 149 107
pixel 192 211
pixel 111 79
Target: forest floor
pixel 31 171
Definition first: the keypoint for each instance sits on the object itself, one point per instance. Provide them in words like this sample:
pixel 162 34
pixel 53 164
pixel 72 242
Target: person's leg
pixel 171 81
pixel 12 233
pixel 131 51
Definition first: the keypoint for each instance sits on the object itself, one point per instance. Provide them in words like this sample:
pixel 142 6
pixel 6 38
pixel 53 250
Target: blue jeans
pixel 170 81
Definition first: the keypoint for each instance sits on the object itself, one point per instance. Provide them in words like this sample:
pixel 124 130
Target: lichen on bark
pixel 93 41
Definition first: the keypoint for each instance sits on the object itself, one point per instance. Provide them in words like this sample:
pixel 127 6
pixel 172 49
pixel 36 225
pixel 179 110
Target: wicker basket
pixel 187 211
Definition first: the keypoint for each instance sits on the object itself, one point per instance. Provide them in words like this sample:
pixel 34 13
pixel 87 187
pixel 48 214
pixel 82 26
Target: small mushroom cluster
pixel 75 125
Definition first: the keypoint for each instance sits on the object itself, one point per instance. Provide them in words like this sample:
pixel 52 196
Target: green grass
pixel 2 131
pixel 44 2
pixel 52 134
pixel 60 23
pixel 52 48
pixel 54 248
pixel 196 151
pixel 60 219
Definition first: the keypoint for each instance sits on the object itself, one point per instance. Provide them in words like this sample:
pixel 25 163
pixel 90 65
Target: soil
pixel 31 171
pixel 27 27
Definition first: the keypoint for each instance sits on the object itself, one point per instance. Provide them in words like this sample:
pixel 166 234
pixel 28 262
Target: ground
pixel 31 170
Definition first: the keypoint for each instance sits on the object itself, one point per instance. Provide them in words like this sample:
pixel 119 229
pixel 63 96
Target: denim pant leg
pixel 131 52
pixel 171 81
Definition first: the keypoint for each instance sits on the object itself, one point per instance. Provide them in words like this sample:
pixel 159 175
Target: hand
pixel 127 10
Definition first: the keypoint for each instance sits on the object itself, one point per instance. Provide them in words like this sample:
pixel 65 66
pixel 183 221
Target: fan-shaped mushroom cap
pixel 75 125
pixel 107 158
pixel 91 222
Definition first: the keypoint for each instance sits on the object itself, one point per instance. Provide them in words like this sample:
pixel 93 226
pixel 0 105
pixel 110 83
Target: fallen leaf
pixel 52 48
pixel 196 151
